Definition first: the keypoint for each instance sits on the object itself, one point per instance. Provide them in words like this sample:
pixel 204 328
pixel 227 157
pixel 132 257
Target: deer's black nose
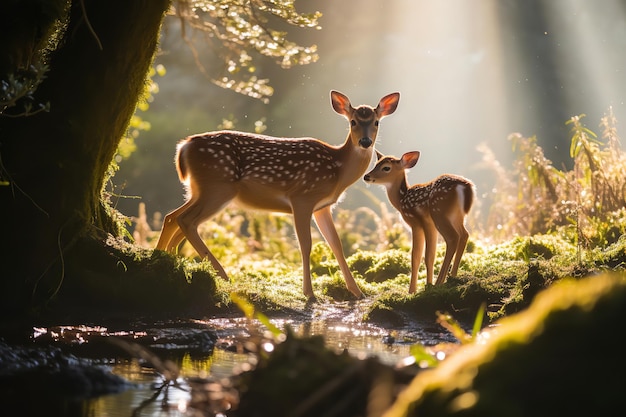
pixel 366 178
pixel 365 142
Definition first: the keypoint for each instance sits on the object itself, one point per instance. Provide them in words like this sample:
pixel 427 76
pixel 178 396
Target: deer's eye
pixel 352 123
pixel 386 168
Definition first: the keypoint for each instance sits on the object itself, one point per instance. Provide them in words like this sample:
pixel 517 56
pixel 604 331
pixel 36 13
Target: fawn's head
pixel 389 169
pixel 364 119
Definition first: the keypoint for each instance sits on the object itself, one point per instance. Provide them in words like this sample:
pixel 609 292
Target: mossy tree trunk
pixel 55 162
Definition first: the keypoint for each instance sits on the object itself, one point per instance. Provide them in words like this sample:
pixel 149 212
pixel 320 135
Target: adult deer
pixel 440 205
pixel 301 176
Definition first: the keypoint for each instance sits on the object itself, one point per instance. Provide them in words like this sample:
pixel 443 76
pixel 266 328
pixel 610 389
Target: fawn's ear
pixel 409 159
pixel 340 102
pixel 379 155
pixel 388 104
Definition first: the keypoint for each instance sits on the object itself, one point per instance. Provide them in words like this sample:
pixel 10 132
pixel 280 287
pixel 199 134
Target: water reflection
pixel 152 396
pixel 359 340
pixel 184 345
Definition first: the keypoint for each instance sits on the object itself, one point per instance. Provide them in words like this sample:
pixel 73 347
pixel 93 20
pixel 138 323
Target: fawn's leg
pixel 451 237
pixel 430 233
pixel 460 249
pixel 417 253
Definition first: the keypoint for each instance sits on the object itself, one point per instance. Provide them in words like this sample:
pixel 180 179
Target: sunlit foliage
pixel 586 202
pixel 137 123
pixel 238 32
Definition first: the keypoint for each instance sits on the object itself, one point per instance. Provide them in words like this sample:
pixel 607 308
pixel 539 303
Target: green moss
pixel 552 359
pixel 614 256
pixel 361 261
pixel 303 378
pixel 388 265
pixel 334 286
pixel 383 313
pixel 525 248
pixel 114 277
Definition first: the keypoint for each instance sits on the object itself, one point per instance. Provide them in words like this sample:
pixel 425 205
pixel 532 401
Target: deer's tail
pixel 179 159
pixel 469 193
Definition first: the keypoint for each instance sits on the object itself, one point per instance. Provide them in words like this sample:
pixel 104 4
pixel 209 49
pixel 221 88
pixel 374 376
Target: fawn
pixel 301 176
pixel 440 205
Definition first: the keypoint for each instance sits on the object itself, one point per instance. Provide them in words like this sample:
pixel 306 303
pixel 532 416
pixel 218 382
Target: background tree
pixel 71 75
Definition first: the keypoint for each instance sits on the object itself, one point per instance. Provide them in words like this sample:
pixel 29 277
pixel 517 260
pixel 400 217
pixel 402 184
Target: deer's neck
pixel 354 162
pixel 396 192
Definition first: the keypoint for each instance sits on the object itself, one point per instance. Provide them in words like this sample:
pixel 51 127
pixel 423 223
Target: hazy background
pixel 469 72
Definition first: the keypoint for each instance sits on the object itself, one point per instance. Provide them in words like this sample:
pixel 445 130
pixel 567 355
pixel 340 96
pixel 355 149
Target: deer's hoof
pixel 359 296
pixel 311 299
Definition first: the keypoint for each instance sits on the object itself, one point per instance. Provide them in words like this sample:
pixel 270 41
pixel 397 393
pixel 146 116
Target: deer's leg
pixel 451 236
pixel 430 234
pixel 176 240
pixel 302 223
pixel 190 219
pixel 324 221
pixel 170 227
pixel 417 253
pixel 460 249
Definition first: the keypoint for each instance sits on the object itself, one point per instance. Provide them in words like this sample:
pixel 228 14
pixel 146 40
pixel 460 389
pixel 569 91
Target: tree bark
pixel 56 162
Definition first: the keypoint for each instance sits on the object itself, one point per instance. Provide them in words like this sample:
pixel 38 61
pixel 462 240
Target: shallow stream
pixel 209 348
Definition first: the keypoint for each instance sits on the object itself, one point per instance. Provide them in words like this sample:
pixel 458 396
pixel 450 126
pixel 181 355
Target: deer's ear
pixel 379 156
pixel 409 159
pixel 388 104
pixel 340 102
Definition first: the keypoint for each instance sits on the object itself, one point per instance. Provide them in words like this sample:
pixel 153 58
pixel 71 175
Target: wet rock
pixel 47 372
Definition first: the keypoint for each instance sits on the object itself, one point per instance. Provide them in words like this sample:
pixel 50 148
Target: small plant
pixel 17 92
pixel 425 358
pixel 249 311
